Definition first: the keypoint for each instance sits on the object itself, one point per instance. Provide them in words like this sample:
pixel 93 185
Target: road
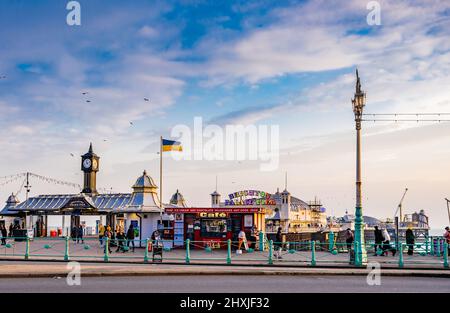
pixel 226 284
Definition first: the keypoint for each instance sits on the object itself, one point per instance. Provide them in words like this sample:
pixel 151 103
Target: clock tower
pixel 89 165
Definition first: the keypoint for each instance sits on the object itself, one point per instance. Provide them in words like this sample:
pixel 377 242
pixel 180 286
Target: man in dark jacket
pixel 410 240
pixel 80 234
pixel 378 240
pixel 278 243
pixel 130 236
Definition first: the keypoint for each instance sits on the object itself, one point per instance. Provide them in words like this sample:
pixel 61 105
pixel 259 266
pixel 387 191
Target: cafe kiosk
pixel 214 226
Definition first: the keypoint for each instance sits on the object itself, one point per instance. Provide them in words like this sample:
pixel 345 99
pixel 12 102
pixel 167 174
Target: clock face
pixel 94 164
pixel 87 163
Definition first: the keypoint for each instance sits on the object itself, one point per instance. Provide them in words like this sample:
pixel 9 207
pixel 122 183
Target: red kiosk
pixel 214 226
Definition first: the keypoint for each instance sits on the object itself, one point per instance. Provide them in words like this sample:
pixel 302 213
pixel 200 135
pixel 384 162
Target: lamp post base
pixel 360 245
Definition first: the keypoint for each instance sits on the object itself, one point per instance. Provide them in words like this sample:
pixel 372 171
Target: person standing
pixel 74 233
pixel 242 239
pixel 10 230
pixel 101 233
pixel 4 234
pixel 80 234
pixel 120 240
pixel 278 243
pixel 378 240
pixel 410 241
pixel 130 236
pixel 447 237
pixel 107 238
pixel 349 238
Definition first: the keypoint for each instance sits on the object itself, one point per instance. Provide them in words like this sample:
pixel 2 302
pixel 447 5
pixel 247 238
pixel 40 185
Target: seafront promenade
pixel 307 255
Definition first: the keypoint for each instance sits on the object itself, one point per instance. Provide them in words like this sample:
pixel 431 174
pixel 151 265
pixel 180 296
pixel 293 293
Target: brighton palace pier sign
pixel 250 197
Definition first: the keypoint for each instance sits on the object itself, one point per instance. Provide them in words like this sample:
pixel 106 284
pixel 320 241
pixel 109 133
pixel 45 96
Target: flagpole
pixel 160 179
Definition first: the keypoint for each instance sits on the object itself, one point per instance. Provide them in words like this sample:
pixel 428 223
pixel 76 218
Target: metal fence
pixel 431 252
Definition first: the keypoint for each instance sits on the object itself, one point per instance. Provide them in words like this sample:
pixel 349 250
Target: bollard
pixel 400 256
pixel 357 256
pixel 27 247
pixel 66 250
pixel 146 251
pixel 261 241
pixel 188 251
pixel 270 252
pixel 445 254
pixel 228 251
pixel 330 241
pixel 106 257
pixel 313 253
pixel 426 245
pixel 432 246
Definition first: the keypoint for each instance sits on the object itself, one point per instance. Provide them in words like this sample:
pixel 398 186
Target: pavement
pixel 29 269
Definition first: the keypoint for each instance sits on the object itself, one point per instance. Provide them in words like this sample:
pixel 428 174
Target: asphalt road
pixel 226 284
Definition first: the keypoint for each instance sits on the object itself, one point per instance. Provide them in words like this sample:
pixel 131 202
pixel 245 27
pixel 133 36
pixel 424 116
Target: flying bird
pixel 104 140
pixel 72 154
pixel 85 93
pixel 131 123
pixel 88 101
pixel 146 99
pixel 3 77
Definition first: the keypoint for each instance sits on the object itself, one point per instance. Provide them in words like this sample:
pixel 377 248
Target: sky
pixel 285 63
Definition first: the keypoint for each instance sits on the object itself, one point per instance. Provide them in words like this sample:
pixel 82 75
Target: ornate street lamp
pixel 358 105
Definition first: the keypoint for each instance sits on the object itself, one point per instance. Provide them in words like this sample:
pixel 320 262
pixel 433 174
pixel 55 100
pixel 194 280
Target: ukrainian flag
pixel 170 145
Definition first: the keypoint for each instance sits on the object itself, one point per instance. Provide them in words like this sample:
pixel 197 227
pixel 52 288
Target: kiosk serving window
pixel 213 227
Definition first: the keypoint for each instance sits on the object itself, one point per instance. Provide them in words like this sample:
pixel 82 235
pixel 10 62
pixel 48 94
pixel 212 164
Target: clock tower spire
pixel 90 166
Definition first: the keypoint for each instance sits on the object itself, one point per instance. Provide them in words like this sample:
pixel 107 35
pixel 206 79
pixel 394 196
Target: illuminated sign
pixel 216 214
pixel 213 210
pixel 250 197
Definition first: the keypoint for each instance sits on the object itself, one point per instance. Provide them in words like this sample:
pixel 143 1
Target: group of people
pixel 119 239
pixel 382 244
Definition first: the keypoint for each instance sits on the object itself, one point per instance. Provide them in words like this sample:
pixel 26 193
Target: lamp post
pixel 358 105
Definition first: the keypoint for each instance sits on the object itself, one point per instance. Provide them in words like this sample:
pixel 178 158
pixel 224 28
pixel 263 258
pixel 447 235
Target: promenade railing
pixel 432 252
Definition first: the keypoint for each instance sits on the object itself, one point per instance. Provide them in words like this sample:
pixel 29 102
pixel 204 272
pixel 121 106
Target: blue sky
pixel 287 63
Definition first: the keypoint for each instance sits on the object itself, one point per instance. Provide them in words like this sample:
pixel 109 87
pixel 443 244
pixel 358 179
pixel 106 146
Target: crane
pixel 448 209
pixel 399 207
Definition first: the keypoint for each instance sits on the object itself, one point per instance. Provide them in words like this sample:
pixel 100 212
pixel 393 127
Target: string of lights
pixel 406 117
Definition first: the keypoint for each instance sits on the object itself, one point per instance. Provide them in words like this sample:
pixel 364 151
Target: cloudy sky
pixel 286 63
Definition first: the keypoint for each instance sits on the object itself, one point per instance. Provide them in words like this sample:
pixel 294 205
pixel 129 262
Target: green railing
pixel 430 252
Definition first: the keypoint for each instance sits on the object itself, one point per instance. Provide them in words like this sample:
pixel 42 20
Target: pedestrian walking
pixel 101 233
pixel 378 240
pixel 349 238
pixel 387 243
pixel 130 236
pixel 278 243
pixel 4 234
pixel 80 234
pixel 107 238
pixel 410 241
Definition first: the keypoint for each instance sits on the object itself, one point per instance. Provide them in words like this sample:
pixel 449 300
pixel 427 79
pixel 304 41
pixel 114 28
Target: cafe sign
pixel 250 197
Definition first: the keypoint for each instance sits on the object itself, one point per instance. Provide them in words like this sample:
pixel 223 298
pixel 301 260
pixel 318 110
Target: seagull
pixel 131 123
pixel 146 99
pixel 72 154
pixel 88 101
pixel 3 77
pixel 85 93
pixel 104 140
